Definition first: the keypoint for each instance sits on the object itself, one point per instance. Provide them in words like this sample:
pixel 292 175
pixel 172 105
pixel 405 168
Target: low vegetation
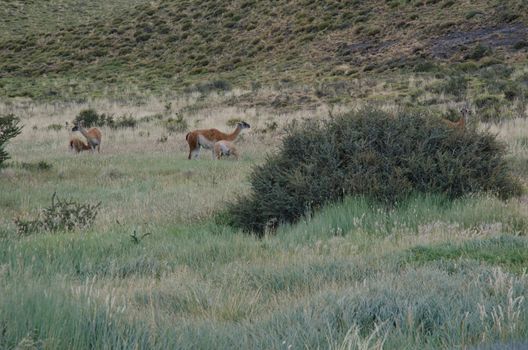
pixel 61 215
pixel 375 154
pixel 9 128
pixel 380 227
pixel 90 117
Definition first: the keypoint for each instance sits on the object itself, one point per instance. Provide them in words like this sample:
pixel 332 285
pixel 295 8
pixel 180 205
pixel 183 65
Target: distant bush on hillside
pixel 208 87
pixel 90 118
pixel 9 128
pixel 370 153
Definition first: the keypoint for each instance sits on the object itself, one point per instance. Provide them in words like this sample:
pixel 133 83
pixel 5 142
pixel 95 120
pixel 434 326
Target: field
pixel 428 273
pixel 161 268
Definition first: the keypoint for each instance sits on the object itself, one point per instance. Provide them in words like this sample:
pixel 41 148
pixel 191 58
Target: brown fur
pixel 92 135
pixel 225 148
pixel 460 123
pixel 78 145
pixel 211 136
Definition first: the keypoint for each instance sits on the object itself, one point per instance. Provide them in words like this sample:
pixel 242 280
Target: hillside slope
pixel 171 43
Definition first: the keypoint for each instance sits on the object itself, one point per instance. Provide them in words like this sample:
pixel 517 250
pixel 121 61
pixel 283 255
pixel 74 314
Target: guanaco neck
pixel 234 134
pixel 84 132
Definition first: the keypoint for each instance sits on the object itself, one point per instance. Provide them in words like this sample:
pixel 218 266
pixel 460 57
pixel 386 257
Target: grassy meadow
pixel 428 273
pixel 161 269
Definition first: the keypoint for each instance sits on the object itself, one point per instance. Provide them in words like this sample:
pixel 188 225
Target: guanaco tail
pixel 208 137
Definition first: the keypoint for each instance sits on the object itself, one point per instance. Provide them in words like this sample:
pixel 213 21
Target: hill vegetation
pixel 172 44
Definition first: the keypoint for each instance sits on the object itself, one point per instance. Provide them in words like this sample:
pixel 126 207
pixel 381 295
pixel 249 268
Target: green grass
pixel 204 285
pixel 508 252
pixel 428 273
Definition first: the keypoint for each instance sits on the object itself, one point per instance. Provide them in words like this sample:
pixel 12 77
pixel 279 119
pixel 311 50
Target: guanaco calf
pixel 78 145
pixel 208 137
pixel 93 136
pixel 225 148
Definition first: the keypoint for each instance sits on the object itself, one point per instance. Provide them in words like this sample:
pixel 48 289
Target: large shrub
pixel 371 153
pixel 9 128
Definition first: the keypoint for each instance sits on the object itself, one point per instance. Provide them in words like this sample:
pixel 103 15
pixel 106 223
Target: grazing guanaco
pixel 225 148
pixel 208 137
pixel 78 145
pixel 460 123
pixel 93 136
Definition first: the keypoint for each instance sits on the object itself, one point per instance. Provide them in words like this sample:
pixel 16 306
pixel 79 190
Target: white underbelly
pixel 204 142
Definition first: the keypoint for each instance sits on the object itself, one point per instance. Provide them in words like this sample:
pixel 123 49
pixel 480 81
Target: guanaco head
pixel 78 126
pixel 243 125
pixel 465 112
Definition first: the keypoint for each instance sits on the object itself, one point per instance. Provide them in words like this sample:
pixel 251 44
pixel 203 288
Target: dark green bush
pixel 122 122
pixel 370 153
pixel 89 118
pixel 9 128
pixel 477 52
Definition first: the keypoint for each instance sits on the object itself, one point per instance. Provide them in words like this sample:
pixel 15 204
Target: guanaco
pixel 93 136
pixel 225 148
pixel 78 145
pixel 460 123
pixel 208 137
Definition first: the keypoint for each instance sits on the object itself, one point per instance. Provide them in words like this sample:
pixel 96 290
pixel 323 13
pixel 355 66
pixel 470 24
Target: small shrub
pixel 473 13
pixel 487 101
pixel 39 166
pixel 123 122
pixel 455 85
pixel 62 215
pixel 162 139
pixel 9 128
pixel 210 86
pixel 478 52
pixel 55 127
pixel 370 153
pixel 176 125
pixel 269 127
pixel 520 45
pixel 149 118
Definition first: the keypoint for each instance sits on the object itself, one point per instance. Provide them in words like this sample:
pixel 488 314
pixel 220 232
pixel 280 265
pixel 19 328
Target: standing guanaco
pixel 208 137
pixel 93 136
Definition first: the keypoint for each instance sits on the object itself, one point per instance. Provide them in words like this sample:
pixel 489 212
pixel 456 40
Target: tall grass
pixel 353 276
